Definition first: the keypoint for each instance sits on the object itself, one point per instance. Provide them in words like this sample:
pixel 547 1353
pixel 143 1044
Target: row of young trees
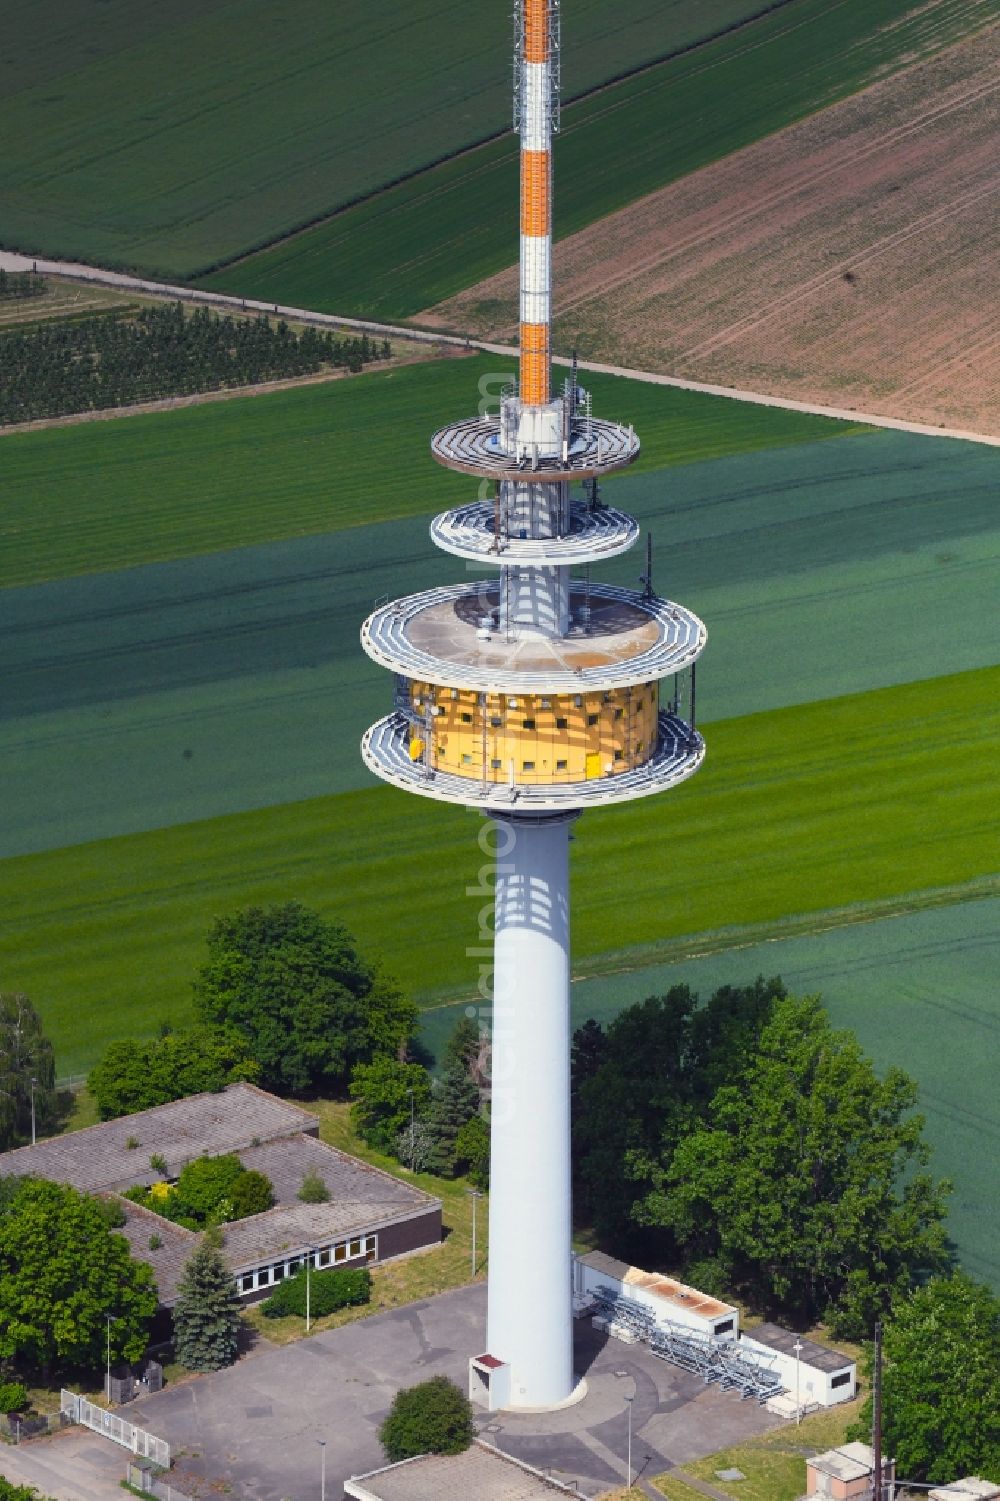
pixel 110 360
pixel 17 285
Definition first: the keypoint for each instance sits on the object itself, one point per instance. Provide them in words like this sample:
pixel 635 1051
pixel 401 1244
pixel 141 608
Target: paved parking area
pixel 253 1432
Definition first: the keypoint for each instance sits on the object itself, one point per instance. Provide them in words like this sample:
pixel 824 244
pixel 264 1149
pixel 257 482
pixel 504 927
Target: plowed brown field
pixel 853 259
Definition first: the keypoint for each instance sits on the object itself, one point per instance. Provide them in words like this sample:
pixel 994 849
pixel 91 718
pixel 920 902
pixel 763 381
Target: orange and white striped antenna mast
pixel 536 95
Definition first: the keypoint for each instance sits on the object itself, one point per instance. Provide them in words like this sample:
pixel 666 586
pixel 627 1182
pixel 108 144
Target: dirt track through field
pixel 850 260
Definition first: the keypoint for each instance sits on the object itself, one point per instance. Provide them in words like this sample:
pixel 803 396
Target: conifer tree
pixel 455 1101
pixel 206 1318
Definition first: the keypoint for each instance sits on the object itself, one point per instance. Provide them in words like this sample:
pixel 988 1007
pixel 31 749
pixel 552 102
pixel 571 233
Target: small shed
pixel 969 1489
pixel 815 1376
pixel 668 1300
pixel 845 1474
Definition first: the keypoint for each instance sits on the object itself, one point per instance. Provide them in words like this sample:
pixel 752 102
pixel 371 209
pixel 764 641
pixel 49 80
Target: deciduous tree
pixel 295 987
pixel 805 1190
pixel 941 1382
pixel 137 1074
pixel 61 1272
pixel 380 1091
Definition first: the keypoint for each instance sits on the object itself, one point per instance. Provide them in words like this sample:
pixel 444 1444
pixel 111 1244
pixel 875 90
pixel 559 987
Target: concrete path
pixel 76 270
pixel 71 1466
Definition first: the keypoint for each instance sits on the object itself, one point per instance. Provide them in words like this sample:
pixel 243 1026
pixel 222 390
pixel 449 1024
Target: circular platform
pixel 595 532
pixel 474 447
pixel 438 637
pixel 385 749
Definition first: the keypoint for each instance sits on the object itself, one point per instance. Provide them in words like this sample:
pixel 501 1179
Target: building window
pixel 246 1283
pixel 323 1259
pixel 466 758
pixel 725 1328
pixel 496 764
pixel 527 765
pixel 528 724
pixel 295 1266
pixel 466 718
pixel 356 1247
pixel 562 724
pixel 639 748
pixel 619 755
pixel 562 766
pixel 841 1380
pixel 593 718
pixel 496 721
pixel 619 713
pixel 340 1253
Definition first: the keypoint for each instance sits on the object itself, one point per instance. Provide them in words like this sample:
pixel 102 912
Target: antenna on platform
pixel 646 579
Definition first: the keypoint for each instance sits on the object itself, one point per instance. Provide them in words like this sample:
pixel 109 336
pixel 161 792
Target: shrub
pixel 251 1193
pixel 132 1143
pixel 344 1287
pixel 112 1213
pixel 13 1396
pixel 432 1418
pixel 313 1190
pixel 159 1164
pixel 155 1242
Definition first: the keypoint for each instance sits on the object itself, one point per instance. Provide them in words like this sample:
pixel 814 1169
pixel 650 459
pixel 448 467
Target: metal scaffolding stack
pixel 716 1360
pixel 531 697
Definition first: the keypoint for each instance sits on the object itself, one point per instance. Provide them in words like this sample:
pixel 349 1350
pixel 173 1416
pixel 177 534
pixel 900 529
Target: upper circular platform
pixel 595 532
pixel 439 637
pixel 474 447
pixel 680 751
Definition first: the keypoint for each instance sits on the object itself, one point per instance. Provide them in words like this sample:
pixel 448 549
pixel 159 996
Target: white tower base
pixel 530 1318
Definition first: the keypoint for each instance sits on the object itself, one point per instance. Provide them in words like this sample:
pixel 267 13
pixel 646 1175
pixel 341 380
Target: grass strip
pixel 800 810
pixel 164 485
pixel 774 1465
pixel 447 228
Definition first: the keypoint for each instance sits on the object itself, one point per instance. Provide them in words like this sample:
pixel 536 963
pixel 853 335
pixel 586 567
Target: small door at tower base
pixel 489 1382
pixel 593 765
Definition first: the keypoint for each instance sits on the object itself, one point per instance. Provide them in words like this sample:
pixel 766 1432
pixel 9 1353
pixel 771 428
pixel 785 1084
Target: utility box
pixel 489 1382
pixel 141 1474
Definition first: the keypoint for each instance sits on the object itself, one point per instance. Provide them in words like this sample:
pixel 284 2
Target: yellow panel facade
pixel 534 738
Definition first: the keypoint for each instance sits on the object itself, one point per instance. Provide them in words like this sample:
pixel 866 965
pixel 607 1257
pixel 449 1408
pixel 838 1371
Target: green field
pixel 171 136
pixel 110 495
pixel 179 691
pixel 797 810
pixel 445 229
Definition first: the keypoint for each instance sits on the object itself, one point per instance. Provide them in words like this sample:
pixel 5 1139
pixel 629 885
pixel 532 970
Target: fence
pixel 78 1410
pixel 15 1429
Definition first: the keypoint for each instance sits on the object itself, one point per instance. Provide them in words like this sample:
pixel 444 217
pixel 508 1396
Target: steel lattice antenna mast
pixel 533 698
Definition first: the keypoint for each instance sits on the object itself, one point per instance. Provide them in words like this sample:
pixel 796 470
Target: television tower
pixel 533 696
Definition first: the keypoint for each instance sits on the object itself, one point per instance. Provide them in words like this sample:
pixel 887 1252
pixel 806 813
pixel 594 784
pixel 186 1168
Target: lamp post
pixel 797 1347
pixel 310 1253
pixel 628 1481
pixel 34 1081
pixel 107 1389
pixel 474 1194
pixel 412 1127
pixel 322 1468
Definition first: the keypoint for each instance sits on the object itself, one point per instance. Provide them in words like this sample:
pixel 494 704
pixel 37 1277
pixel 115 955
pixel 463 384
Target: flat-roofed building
pixel 845 1473
pixel 817 1377
pixel 668 1300
pixel 482 1472
pixel 368 1217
